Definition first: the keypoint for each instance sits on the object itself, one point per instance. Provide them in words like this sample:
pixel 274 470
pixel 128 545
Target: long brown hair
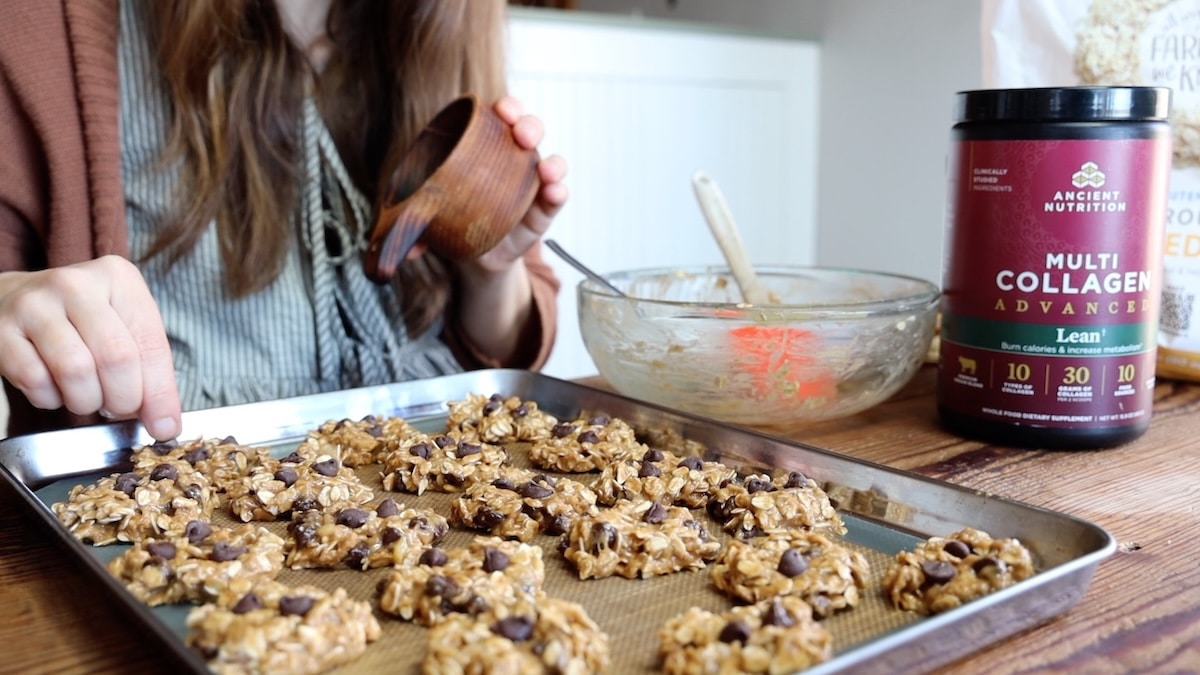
pixel 237 83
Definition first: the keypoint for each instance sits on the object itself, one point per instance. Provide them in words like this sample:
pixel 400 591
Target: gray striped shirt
pixel 321 326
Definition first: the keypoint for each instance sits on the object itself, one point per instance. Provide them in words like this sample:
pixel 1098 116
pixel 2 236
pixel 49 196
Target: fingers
pixel 527 130
pixel 552 170
pixel 160 411
pixel 89 338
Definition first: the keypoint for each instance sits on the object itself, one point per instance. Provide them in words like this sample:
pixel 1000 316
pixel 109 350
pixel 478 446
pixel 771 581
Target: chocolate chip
pixel 164 472
pixel 692 463
pixel 796 479
pixel 777 615
pixel 248 603
pixel 197 531
pixel 599 420
pixel 656 514
pixel 127 483
pixel 521 410
pixel 440 586
pixel 303 504
pixel 938 571
pixel 356 556
pixel 326 467
pixel 604 536
pixel 388 508
pixel 487 518
pixel 556 525
pixel 956 548
pixel 653 455
pixel 295 605
pixel 532 490
pixel 588 436
pixel 193 492
pixel 444 441
pixel 228 440
pixel 494 560
pixel 390 534
pixel 476 605
pixel 161 448
pixel 303 533
pixel 758 484
pixel 286 475
pixel 434 557
pixel 224 552
pixel 492 407
pixel 196 454
pixel 421 450
pixel 562 430
pixel 984 563
pixel 352 518
pixel 504 483
pixel 792 563
pixel 466 449
pixel 161 549
pixel 293 458
pixel 515 628
pixel 735 631
pixel 648 470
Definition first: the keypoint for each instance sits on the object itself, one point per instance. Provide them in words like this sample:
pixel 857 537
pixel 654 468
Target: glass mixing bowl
pixel 833 342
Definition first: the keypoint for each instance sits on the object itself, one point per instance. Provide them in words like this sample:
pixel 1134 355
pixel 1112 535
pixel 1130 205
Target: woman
pixel 187 187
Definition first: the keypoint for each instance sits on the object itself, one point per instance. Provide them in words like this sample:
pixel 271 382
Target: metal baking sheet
pixel 885 510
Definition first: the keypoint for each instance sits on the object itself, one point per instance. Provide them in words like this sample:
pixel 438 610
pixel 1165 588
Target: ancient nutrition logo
pixel 1087 197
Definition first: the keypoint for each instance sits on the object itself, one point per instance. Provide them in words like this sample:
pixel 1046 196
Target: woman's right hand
pixel 89 337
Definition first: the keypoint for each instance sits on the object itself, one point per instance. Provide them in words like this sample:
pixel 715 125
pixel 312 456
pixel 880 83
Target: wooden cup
pixel 459 189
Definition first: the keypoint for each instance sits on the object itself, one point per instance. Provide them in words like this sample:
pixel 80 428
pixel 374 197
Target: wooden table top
pixel 1141 612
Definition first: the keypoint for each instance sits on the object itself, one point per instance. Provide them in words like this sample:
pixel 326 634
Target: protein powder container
pixel 1053 260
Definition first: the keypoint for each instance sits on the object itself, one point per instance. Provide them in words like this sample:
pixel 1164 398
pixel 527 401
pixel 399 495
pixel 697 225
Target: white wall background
pixel 889 72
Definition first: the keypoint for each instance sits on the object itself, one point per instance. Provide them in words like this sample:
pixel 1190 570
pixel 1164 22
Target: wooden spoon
pixel 725 230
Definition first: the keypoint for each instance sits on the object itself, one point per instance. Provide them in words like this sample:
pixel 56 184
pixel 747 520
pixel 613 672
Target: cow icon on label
pixel 966 366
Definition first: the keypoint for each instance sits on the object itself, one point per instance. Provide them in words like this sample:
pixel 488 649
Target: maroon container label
pixel 1052 281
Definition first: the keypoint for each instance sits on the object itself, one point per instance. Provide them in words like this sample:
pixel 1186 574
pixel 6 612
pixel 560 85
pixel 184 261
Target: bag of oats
pixel 1058 43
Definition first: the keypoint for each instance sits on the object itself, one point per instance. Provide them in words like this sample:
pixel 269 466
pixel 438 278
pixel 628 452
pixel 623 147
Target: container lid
pixel 1063 104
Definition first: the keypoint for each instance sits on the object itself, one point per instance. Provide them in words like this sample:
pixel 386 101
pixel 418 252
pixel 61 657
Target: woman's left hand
pixel 528 132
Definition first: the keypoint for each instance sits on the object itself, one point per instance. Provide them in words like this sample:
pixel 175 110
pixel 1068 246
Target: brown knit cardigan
pixel 61 198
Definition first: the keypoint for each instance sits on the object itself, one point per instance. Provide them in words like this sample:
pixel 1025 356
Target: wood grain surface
pixel 1141 612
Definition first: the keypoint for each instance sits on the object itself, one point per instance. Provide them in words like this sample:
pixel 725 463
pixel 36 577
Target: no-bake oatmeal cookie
pixel 778 635
pixel 486 577
pixel 759 503
pixel 638 539
pixel 154 501
pixel 275 628
pixel 442 462
pixel 809 565
pixel 272 489
pixel 551 636
pixel 197 566
pixel 942 573
pixel 360 536
pixel 521 503
pixel 358 442
pixel 585 444
pixel 661 476
pixel 499 419
pixel 222 460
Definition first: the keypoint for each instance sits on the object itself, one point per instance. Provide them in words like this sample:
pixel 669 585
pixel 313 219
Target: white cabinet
pixel 636 107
